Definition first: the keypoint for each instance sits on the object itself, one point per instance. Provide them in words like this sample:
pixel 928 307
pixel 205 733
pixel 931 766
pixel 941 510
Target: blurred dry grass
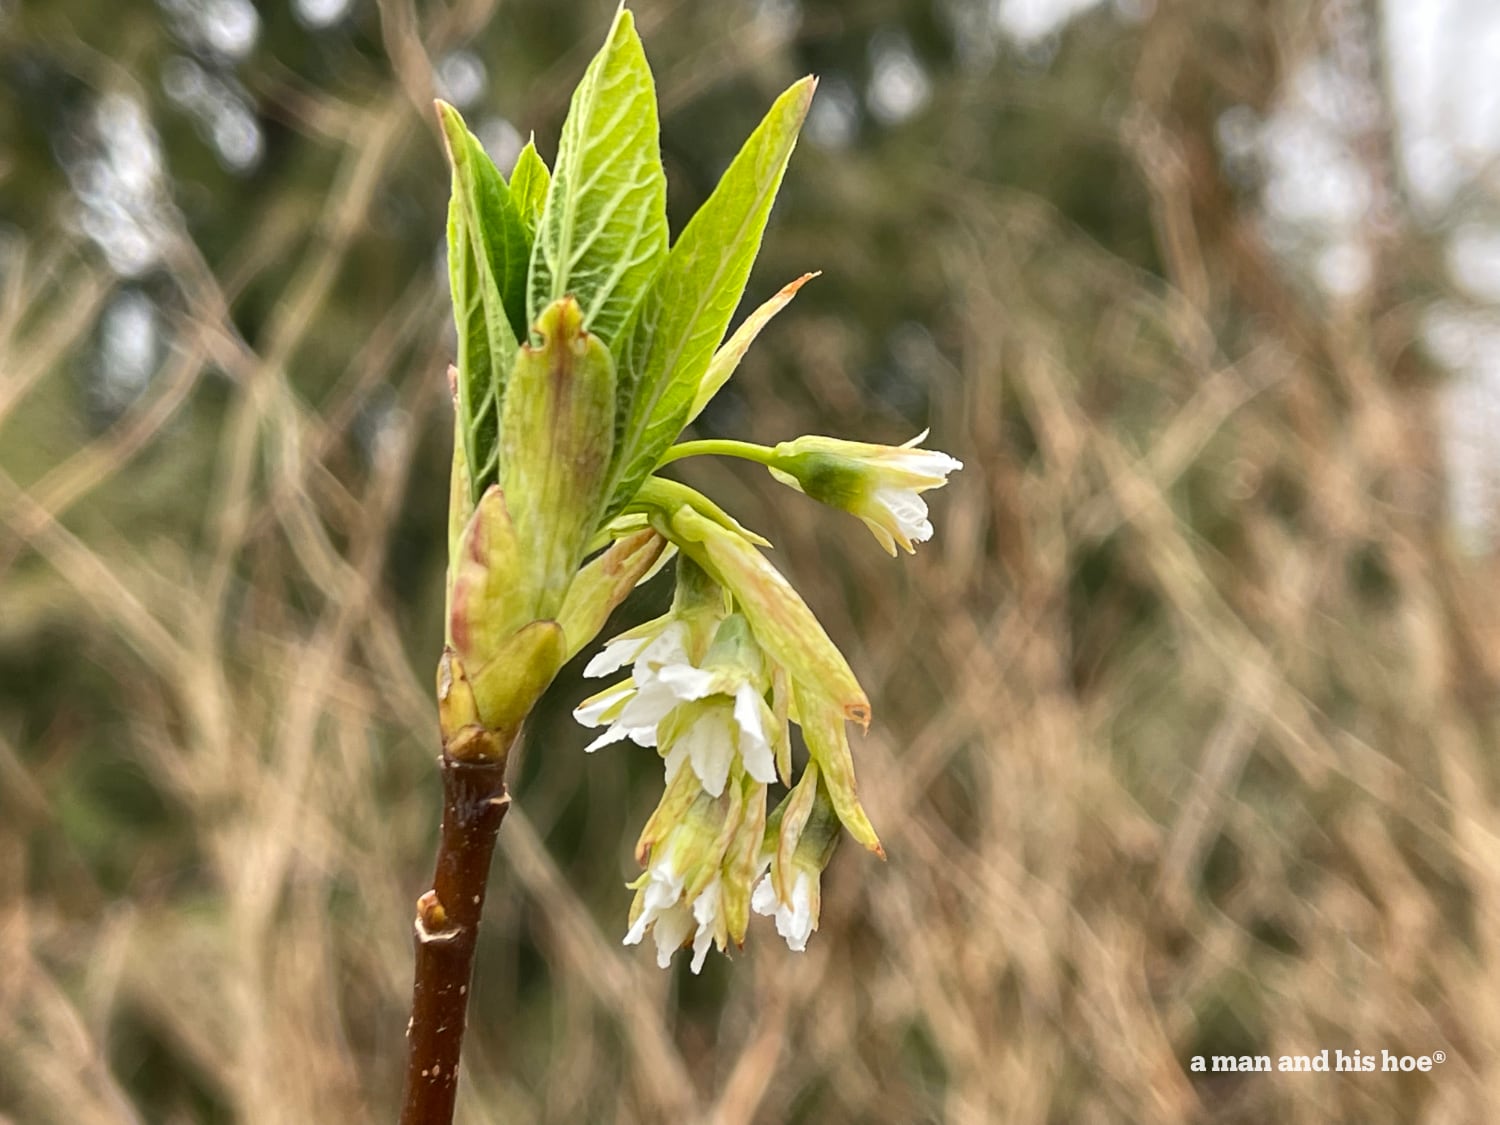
pixel 1185 722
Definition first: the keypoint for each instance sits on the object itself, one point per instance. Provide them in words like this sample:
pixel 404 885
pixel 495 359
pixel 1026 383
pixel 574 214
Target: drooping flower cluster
pixel 587 342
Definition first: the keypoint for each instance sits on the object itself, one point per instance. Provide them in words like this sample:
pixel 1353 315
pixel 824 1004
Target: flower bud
pixel 878 483
pixel 801 836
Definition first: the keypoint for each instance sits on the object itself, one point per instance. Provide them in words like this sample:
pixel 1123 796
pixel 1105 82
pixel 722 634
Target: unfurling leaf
pixel 528 189
pixel 487 261
pixel 603 230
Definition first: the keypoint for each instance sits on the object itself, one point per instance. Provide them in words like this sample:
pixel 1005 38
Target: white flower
pixel 662 913
pixel 795 920
pixel 669 919
pixel 661 678
pixel 881 484
pixel 717 711
pixel 715 729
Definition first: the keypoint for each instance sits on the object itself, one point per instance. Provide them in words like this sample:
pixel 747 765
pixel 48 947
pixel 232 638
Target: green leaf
pixel 476 399
pixel 528 188
pixel 671 339
pixel 495 229
pixel 487 261
pixel 603 229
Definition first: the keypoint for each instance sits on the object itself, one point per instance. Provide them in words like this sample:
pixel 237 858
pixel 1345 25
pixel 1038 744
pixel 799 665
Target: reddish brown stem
pixel 447 928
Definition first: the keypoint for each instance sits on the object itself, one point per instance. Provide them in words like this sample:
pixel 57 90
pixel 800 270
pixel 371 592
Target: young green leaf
pixel 476 398
pixel 671 338
pixel 487 261
pixel 603 229
pixel 528 188
pixel 495 229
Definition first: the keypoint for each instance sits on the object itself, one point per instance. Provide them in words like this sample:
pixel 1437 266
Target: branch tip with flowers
pixel 587 342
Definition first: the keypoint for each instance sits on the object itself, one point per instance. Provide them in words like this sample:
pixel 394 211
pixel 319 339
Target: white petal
pixel 909 511
pixel 926 462
pixel 708 744
pixel 763 898
pixel 651 704
pixel 670 930
pixel 686 682
pixel 705 912
pixel 667 647
pixel 615 655
pixel 676 756
pixel 615 733
pixel 755 747
pixel 592 711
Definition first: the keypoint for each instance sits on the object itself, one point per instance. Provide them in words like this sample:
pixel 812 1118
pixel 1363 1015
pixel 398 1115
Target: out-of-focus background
pixel 1185 722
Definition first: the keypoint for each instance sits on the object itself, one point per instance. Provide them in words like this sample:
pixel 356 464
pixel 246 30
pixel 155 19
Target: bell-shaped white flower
pixel 795 919
pixel 663 676
pixel 663 913
pixel 692 847
pixel 881 484
pixel 712 730
pixel 704 716
pixel 800 838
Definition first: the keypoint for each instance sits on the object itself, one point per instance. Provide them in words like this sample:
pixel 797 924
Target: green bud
pixel 508 685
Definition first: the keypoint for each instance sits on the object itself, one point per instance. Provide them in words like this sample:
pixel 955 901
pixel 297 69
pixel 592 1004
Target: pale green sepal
pixel 781 740
pixel 507 686
pixel 782 623
pixel 728 357
pixel 556 432
pixel 681 794
pixel 731 806
pixel 670 340
pixel 603 584
pixel 603 230
pixel 828 744
pixel 528 188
